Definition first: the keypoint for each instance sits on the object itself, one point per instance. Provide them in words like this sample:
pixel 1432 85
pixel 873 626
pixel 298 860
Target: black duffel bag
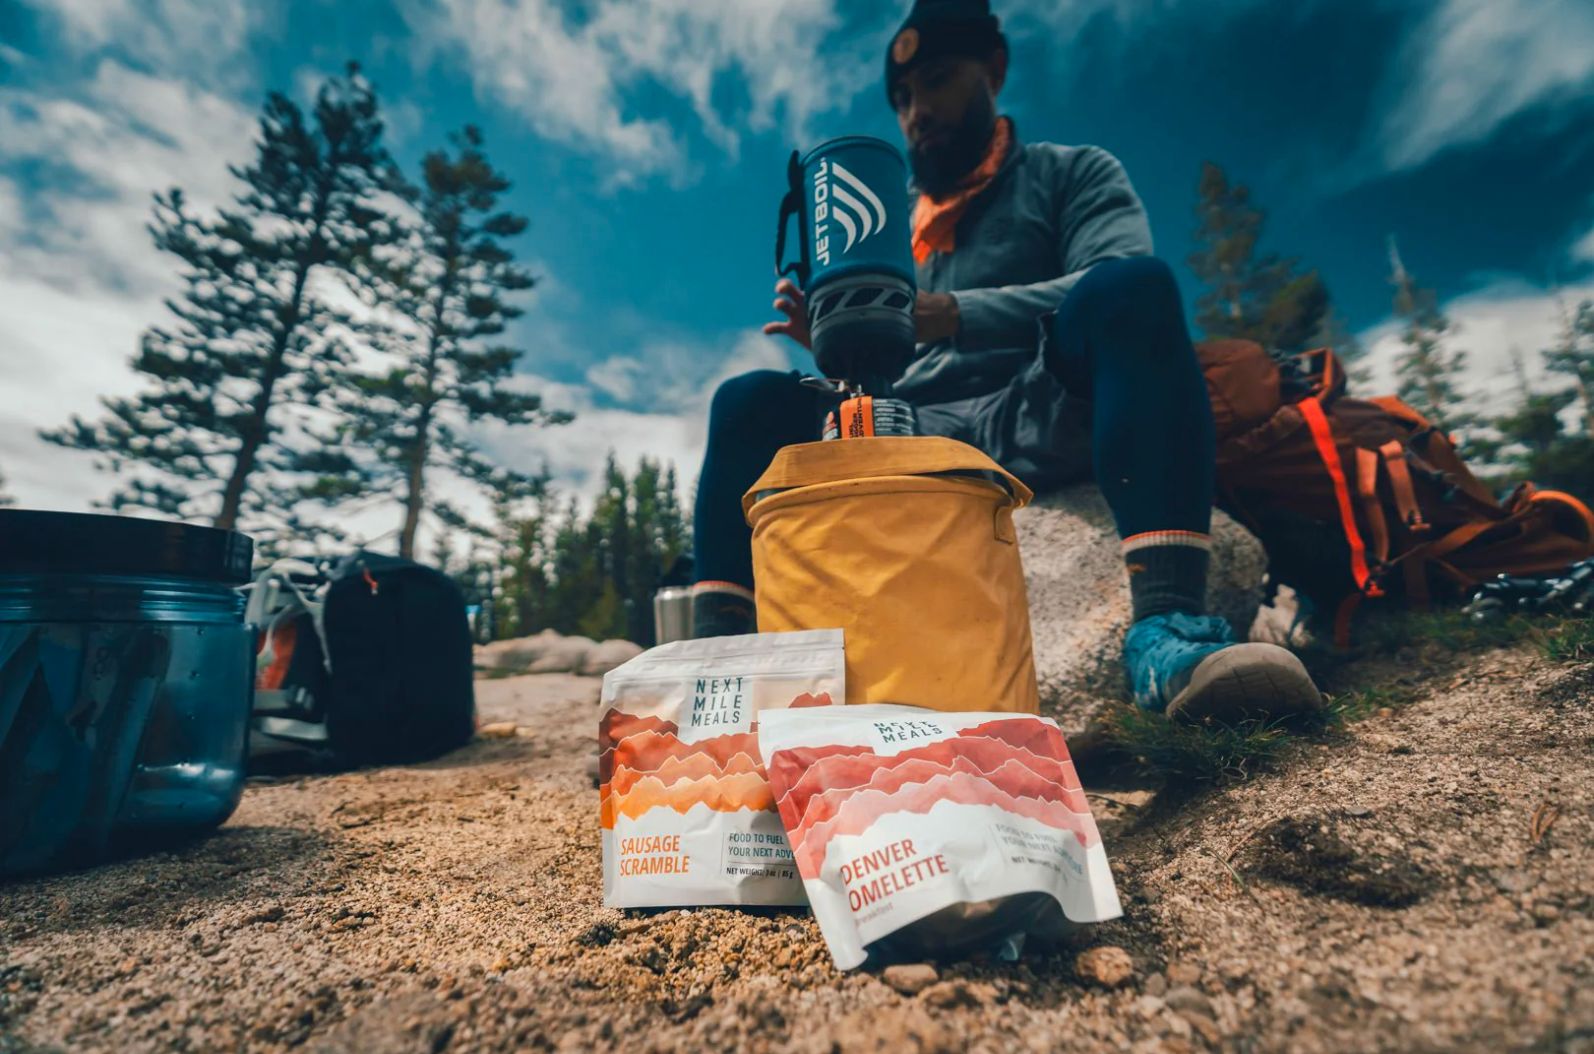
pixel 393 682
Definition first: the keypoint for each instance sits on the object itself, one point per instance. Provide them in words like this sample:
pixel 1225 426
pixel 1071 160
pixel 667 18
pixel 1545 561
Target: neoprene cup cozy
pixel 855 262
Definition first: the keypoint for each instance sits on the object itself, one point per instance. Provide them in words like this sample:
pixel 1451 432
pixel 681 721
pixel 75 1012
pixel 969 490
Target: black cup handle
pixel 791 205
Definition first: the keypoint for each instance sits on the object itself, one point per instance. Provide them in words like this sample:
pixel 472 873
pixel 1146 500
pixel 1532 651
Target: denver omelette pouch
pixel 923 834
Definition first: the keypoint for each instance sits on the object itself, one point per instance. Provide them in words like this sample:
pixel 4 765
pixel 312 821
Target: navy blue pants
pixel 1115 393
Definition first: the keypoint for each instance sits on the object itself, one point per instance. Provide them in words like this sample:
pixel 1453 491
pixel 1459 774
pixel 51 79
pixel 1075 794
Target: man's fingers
pixel 786 287
pixel 773 328
pixel 786 307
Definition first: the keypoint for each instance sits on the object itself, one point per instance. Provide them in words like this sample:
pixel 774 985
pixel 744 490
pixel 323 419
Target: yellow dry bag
pixel 907 544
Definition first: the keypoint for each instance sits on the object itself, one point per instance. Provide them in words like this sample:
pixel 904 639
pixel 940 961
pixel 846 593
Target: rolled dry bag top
pixel 907 544
pixel 34 541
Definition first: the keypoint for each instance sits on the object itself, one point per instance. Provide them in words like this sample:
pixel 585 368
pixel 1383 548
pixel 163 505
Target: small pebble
pixel 1149 1006
pixel 1183 973
pixel 498 730
pixel 1515 880
pixel 949 994
pixel 1187 999
pixel 1156 984
pixel 1205 1027
pixel 910 978
pixel 1107 965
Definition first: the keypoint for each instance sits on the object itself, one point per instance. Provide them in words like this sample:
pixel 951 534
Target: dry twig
pixel 1543 819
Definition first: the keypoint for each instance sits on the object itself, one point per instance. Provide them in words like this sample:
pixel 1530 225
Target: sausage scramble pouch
pixel 926 834
pixel 688 818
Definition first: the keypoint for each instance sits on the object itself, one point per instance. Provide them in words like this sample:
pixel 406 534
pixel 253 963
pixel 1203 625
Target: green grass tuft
pixel 1359 703
pixel 1568 640
pixel 1191 753
pixel 1452 630
pixel 1560 638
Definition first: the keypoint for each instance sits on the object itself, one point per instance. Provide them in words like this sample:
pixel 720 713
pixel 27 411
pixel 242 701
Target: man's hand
pixel 789 301
pixel 935 317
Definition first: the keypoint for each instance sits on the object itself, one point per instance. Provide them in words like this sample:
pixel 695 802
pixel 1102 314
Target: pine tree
pixel 1573 356
pixel 575 569
pixel 451 283
pixel 1429 370
pixel 613 519
pixel 657 538
pixel 1532 441
pixel 256 346
pixel 523 602
pixel 595 573
pixel 1266 298
pixel 5 499
pixel 1334 332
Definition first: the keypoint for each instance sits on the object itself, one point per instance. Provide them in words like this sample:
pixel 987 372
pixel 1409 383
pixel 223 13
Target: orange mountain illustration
pixel 689 767
pixel 748 790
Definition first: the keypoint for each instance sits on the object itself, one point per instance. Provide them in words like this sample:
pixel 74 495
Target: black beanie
pixel 936 28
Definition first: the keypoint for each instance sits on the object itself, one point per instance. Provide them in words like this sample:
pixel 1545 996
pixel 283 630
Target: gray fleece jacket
pixel 1051 212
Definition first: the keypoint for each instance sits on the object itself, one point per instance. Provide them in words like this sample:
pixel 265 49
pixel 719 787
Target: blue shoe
pixel 1190 668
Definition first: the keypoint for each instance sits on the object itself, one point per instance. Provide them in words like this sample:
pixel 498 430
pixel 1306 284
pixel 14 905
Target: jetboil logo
pixel 841 196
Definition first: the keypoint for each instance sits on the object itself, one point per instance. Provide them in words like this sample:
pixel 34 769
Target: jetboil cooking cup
pixel 126 677
pixel 855 260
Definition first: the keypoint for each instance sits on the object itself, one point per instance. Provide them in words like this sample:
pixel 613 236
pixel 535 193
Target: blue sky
pixel 647 141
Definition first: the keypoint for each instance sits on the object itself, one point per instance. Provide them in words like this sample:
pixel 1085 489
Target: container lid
pixel 38 542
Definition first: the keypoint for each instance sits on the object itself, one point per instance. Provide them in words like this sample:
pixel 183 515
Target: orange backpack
pixel 1361 498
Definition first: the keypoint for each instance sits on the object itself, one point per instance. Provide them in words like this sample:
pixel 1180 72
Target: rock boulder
pixel 601 658
pixel 551 652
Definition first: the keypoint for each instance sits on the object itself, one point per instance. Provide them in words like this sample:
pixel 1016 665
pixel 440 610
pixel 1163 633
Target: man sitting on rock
pixel 1050 338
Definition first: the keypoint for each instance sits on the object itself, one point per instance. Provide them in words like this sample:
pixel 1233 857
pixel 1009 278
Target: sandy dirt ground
pixel 1420 882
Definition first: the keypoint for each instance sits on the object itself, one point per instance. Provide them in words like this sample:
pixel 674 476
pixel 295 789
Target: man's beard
pixel 938 170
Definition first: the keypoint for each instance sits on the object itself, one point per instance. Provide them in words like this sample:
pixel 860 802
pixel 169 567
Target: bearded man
pixel 1048 337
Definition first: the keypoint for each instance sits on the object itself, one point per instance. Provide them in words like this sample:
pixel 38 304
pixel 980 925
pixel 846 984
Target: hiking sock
pixel 722 609
pixel 1167 572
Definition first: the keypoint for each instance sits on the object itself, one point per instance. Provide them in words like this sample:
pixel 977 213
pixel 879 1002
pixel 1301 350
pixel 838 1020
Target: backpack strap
pixel 1560 497
pixel 1416 574
pixel 1394 454
pixel 1372 509
pixel 1329 383
pixel 1323 437
pixel 1467 532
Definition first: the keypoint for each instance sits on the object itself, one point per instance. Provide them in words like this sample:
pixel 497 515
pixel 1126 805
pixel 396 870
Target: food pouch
pixel 921 834
pixel 688 818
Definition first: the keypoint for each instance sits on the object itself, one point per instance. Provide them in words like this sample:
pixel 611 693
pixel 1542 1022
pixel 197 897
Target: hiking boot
pixel 1190 668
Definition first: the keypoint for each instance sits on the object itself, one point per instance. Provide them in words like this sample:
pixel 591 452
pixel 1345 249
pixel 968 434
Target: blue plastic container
pixel 126 678
pixel 850 197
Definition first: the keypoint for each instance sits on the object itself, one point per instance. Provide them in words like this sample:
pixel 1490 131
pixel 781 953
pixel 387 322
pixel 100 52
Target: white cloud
pixel 124 136
pixel 681 374
pixel 1583 248
pixel 1503 318
pixel 569 77
pixel 666 388
pixel 1473 64
pixel 79 277
pixel 204 38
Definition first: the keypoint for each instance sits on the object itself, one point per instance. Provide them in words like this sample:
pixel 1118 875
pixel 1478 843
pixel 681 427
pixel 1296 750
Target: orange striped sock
pixel 1167 571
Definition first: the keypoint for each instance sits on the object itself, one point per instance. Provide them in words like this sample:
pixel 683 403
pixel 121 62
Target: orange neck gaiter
pixel 935 220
